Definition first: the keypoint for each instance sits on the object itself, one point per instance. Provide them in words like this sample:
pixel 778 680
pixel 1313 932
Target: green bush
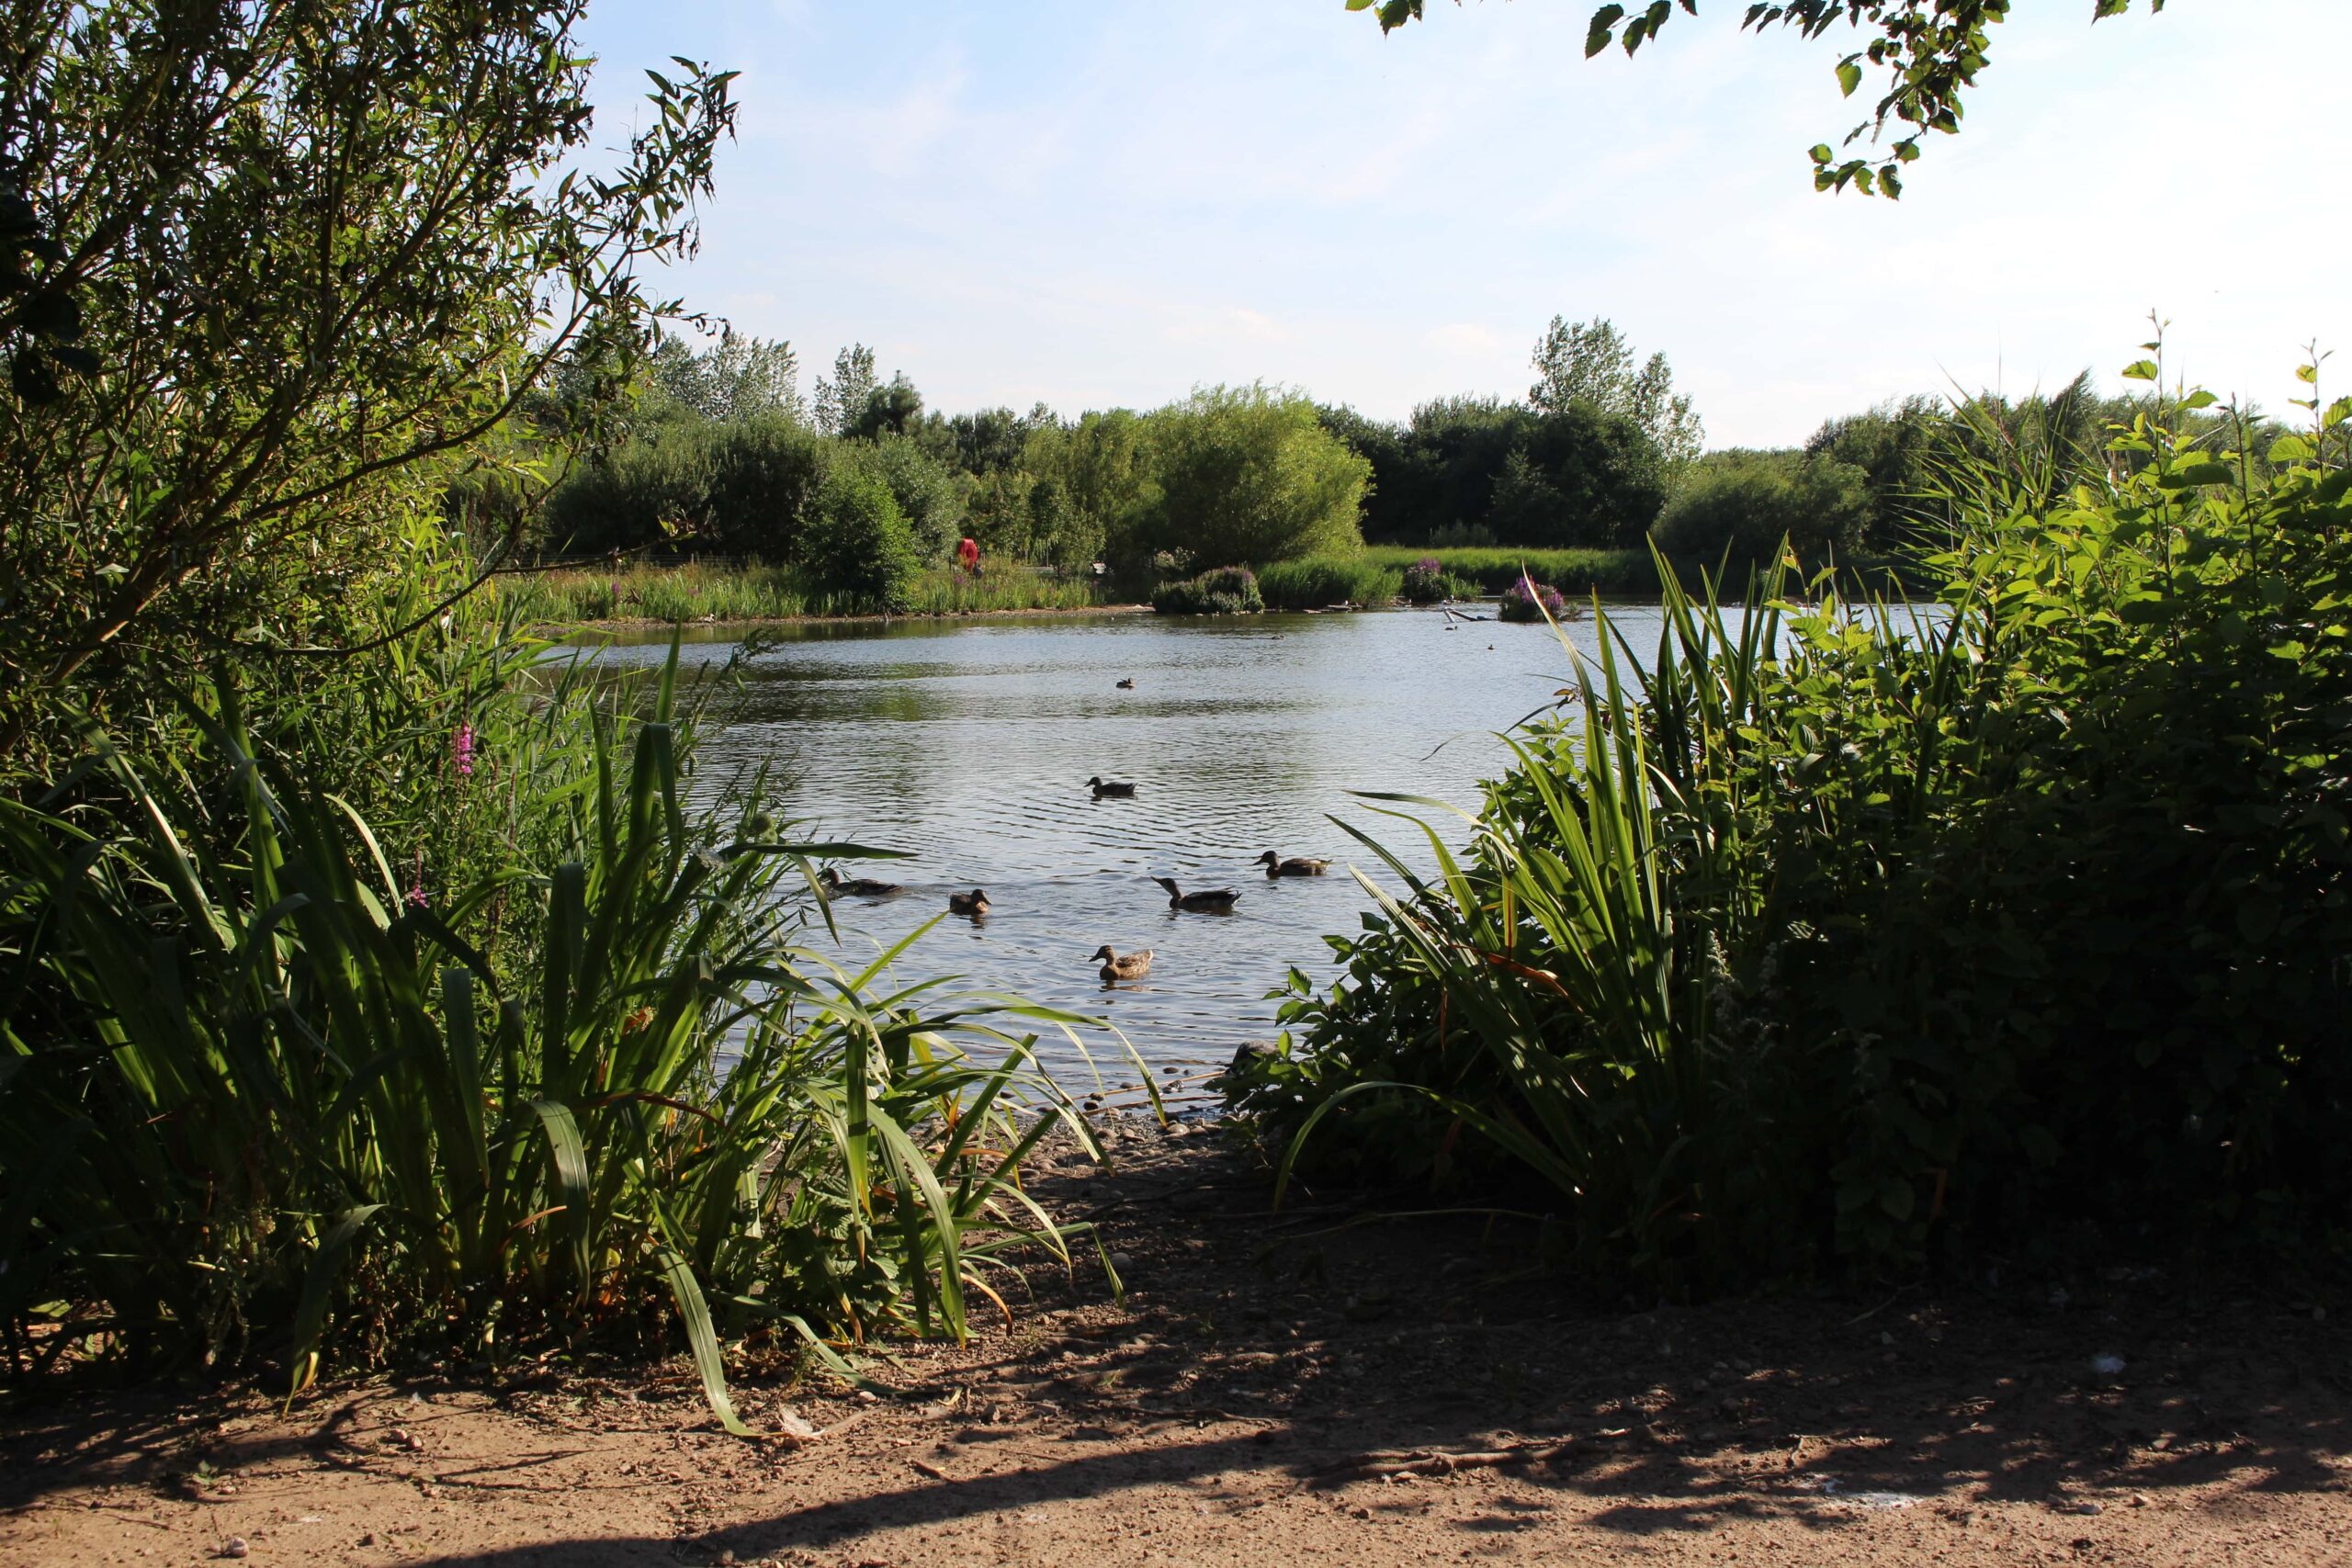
pixel 1744 503
pixel 1228 591
pixel 926 494
pixel 1321 581
pixel 856 542
pixel 1834 937
pixel 759 477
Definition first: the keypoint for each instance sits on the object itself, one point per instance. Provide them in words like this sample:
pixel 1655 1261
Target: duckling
pixel 1134 966
pixel 1216 900
pixel 1103 786
pixel 975 903
pixel 1128 685
pixel 1297 865
pixel 857 886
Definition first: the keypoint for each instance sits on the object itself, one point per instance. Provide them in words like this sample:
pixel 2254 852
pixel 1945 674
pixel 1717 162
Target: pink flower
pixel 462 747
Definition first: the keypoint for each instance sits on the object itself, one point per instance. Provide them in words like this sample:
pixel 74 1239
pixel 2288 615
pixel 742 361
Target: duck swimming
pixel 1104 786
pixel 1298 865
pixel 975 903
pixel 1133 966
pixel 1216 900
pixel 856 887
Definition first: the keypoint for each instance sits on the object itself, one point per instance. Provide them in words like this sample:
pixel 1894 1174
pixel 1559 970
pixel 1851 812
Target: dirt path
pixel 1276 1391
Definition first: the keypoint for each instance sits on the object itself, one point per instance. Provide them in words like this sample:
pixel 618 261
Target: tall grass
pixel 1578 949
pixel 755 592
pixel 1578 573
pixel 1315 582
pixel 268 1092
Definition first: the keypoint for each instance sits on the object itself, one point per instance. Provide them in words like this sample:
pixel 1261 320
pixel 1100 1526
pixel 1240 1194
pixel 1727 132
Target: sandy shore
pixel 1314 1387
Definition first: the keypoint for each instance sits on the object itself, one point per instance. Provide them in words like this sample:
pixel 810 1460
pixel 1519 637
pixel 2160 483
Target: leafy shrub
pixel 1528 600
pixel 1227 590
pixel 1839 935
pixel 1746 503
pixel 926 494
pixel 1320 581
pixel 759 477
pixel 856 542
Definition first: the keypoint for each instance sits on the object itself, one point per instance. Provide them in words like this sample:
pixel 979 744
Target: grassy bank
pixel 1574 572
pixel 741 593
pixel 1314 581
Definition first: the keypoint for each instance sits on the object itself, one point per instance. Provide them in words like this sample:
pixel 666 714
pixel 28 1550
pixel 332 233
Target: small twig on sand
pixel 1372 1466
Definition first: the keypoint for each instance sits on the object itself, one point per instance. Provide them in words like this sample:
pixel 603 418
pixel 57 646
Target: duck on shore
pixel 1118 966
pixel 1128 685
pixel 1102 787
pixel 975 903
pixel 1297 865
pixel 857 886
pixel 1214 900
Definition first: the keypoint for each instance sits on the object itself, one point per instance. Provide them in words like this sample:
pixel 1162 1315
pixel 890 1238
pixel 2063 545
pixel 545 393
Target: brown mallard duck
pixel 856 887
pixel 975 903
pixel 1214 900
pixel 1105 786
pixel 1297 865
pixel 1128 685
pixel 1118 966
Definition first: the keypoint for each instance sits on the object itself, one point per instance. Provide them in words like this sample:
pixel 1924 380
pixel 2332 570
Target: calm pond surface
pixel 969 743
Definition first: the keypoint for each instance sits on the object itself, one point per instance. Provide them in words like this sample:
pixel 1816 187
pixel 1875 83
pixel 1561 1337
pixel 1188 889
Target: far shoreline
pixel 649 623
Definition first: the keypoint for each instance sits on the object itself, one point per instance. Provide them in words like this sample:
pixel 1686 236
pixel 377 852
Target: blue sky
pixel 1101 203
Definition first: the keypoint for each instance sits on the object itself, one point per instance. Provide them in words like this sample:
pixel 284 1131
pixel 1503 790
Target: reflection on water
pixel 969 743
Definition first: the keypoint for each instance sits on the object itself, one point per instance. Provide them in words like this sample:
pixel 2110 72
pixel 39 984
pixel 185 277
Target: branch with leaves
pixel 1929 50
pixel 269 274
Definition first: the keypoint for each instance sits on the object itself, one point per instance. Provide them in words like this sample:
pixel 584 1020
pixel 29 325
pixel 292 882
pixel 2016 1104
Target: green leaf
pixel 702 1338
pixel 2288 449
pixel 2142 371
pixel 2200 400
pixel 1603 22
pixel 1822 152
pixel 1849 76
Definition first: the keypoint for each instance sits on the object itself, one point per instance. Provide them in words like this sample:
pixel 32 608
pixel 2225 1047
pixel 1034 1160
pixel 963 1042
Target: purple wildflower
pixel 1425 581
pixel 1528 600
pixel 462 747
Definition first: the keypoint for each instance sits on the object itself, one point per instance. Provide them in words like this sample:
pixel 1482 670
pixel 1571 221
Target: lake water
pixel 969 743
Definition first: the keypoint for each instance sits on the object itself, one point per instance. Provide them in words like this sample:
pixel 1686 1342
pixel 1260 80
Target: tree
pixel 926 494
pixel 889 410
pixel 1248 475
pixel 1930 51
pixel 856 541
pixel 270 270
pixel 736 377
pixel 1590 362
pixel 1748 503
pixel 1102 465
pixel 839 402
